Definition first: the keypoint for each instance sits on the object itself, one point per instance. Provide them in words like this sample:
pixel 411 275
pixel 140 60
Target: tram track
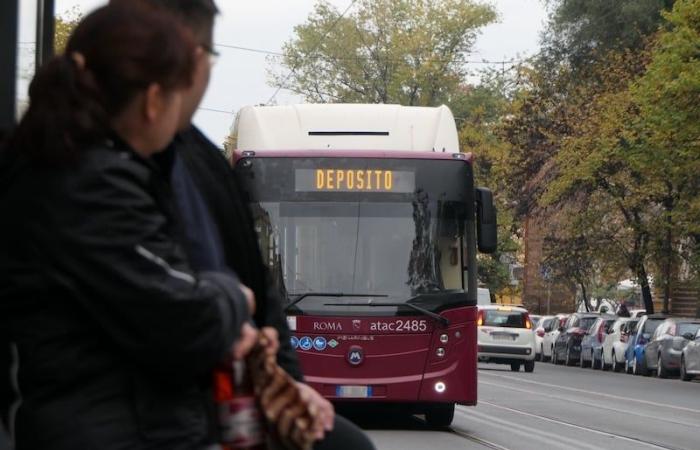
pixel 478 440
pixel 610 434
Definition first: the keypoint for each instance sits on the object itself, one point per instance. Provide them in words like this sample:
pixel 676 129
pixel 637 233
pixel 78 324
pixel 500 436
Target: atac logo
pixel 355 355
pixel 356 324
pixel 328 326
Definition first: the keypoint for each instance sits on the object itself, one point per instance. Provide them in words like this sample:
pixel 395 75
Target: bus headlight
pixel 440 387
pixel 440 352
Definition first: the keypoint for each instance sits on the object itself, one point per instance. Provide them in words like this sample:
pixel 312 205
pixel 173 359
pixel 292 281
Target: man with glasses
pixel 218 226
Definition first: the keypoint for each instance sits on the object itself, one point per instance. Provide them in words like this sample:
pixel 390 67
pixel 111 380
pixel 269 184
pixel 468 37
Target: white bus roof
pixel 346 127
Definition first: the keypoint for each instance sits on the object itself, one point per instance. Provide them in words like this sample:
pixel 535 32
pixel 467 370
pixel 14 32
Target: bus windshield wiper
pixel 437 317
pixel 327 294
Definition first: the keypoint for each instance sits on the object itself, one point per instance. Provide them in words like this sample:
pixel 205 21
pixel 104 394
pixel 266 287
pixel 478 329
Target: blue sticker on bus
pixel 320 343
pixel 295 342
pixel 305 343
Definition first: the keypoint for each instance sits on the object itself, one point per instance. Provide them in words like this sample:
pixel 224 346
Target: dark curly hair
pixel 115 52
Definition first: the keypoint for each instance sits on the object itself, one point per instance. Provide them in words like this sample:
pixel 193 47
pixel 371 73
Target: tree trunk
pixel 668 249
pixel 643 280
pixel 667 270
pixel 584 293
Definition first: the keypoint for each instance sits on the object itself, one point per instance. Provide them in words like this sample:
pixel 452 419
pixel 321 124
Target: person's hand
pixel 325 413
pixel 246 341
pixel 250 298
pixel 273 340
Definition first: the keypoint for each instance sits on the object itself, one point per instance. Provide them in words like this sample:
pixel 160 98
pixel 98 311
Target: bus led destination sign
pixel 354 180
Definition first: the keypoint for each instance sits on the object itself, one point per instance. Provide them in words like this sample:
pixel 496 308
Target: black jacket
pixel 117 337
pixel 229 208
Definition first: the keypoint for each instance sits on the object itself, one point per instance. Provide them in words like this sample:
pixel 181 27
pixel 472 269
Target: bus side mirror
pixel 486 227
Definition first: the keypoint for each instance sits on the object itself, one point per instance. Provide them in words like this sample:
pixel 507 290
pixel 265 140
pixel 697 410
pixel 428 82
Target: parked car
pixel 540 327
pixel 616 342
pixel 637 313
pixel 551 333
pixel 635 362
pixel 567 347
pixel 505 336
pixel 663 352
pixel 690 359
pixel 592 344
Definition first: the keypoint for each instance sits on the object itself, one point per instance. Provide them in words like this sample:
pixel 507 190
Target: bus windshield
pixel 378 246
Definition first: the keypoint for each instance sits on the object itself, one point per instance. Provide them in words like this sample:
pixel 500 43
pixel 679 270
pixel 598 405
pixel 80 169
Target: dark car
pixel 663 352
pixel 635 359
pixel 567 347
pixel 592 343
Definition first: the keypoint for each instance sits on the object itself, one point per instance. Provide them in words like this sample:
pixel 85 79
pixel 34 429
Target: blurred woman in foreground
pixel 116 335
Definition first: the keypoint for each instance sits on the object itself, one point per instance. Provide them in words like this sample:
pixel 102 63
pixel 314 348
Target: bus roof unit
pixel 347 127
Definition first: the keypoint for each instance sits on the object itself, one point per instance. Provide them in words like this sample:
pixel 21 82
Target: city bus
pixel 369 221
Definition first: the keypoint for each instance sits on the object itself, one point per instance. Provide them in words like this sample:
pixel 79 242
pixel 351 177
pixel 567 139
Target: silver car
pixel 690 359
pixel 663 352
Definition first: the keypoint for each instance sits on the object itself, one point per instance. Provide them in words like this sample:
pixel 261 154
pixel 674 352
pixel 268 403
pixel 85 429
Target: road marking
pixel 616 397
pixel 589 429
pixel 546 438
pixel 594 405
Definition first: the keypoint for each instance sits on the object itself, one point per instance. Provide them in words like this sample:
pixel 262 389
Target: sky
pixel 240 77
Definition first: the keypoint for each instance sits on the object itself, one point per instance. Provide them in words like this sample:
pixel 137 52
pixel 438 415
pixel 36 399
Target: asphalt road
pixel 556 407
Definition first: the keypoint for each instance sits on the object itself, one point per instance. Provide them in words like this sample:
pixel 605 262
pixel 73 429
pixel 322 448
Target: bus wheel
pixel 440 415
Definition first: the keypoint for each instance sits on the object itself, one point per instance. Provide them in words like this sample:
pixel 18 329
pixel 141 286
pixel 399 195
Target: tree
pixel 669 127
pixel 580 32
pixel 64 25
pixel 410 52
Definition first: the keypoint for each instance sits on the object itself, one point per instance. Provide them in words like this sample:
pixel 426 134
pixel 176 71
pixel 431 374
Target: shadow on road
pixel 383 417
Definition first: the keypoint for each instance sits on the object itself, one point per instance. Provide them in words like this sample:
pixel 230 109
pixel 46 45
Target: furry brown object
pixel 291 417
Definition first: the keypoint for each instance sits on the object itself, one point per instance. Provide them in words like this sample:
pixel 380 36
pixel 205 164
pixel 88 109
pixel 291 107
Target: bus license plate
pixel 353 391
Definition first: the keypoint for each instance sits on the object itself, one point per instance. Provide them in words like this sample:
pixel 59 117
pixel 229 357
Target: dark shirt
pixel 202 238
pixel 228 207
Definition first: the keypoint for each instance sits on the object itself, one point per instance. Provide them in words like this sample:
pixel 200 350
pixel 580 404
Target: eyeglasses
pixel 213 54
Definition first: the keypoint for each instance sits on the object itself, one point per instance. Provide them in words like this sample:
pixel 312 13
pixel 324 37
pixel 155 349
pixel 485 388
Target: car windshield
pixel 685 328
pixel 584 322
pixel 651 325
pixel 546 322
pixel 507 319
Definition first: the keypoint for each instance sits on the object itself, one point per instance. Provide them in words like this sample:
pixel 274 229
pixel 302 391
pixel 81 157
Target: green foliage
pixel 583 31
pixel 409 52
pixel 64 26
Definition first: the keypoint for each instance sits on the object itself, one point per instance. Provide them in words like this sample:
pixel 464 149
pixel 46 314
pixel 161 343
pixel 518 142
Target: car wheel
pixel 514 367
pixel 684 374
pixel 637 368
pixel 628 367
pixel 553 358
pixel 529 366
pixel 603 366
pixel 661 371
pixel 440 415
pixel 616 366
pixel 569 360
pixel 594 362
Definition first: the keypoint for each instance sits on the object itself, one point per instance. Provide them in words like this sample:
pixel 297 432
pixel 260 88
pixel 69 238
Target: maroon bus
pixel 375 252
